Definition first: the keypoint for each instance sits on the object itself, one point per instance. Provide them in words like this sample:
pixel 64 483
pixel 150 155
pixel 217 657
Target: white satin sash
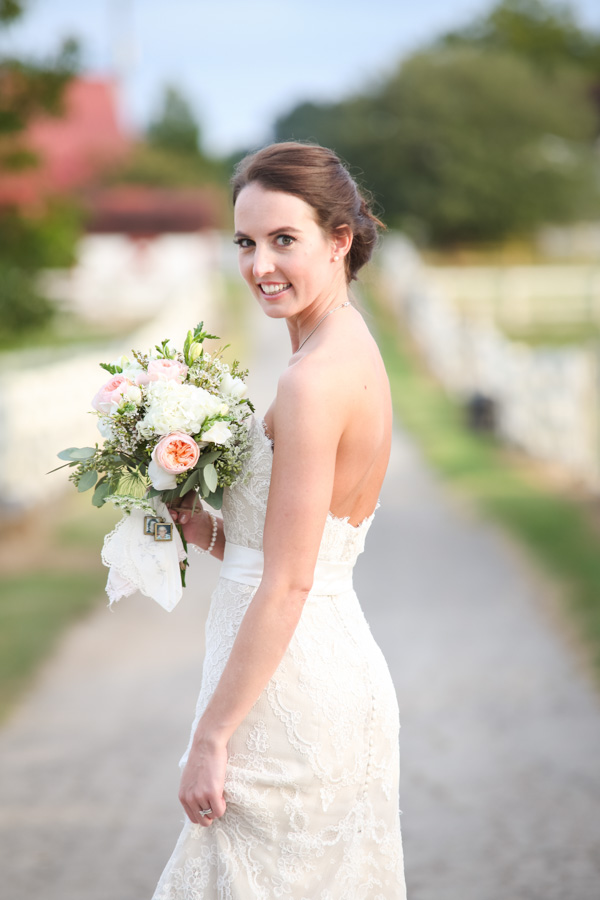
pixel 245 565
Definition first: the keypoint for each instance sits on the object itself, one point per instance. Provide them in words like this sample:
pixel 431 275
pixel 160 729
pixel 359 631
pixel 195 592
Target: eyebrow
pixel 285 229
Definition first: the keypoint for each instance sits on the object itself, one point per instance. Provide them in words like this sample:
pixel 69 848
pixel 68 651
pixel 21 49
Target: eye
pixel 243 242
pixel 285 240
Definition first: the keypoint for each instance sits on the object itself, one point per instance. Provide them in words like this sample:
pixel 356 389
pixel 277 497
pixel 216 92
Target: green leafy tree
pixel 463 143
pixel 175 128
pixel 30 241
pixel 171 156
pixel 545 33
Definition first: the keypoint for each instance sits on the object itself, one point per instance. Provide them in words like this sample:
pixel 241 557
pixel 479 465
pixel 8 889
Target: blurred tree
pixel 171 155
pixel 175 129
pixel 466 144
pixel 28 240
pixel 546 33
pixel 159 167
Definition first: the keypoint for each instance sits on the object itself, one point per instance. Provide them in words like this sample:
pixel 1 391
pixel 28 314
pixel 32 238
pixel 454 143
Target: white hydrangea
pixel 176 407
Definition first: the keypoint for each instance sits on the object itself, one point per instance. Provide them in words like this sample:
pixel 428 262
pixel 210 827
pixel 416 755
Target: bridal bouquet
pixel 172 422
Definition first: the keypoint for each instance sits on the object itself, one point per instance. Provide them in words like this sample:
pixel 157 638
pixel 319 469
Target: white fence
pixel 522 296
pixel 44 397
pixel 547 400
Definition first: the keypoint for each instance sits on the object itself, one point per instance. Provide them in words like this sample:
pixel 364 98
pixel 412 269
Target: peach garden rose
pixel 175 453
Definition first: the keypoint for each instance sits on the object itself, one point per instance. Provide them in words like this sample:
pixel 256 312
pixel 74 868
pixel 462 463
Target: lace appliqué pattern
pixel 312 776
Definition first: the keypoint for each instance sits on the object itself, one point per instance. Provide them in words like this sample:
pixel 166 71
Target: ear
pixel 341 240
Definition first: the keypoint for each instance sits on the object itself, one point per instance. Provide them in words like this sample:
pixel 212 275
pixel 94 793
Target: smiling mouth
pixel 272 290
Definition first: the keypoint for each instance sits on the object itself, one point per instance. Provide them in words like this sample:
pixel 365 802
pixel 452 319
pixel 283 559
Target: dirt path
pixel 500 737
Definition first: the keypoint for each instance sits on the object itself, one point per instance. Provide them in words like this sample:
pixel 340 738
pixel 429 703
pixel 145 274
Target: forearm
pixel 264 635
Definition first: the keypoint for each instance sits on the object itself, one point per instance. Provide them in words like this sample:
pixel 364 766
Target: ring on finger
pixel 205 812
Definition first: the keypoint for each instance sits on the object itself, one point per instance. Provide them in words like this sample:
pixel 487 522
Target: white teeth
pixel 273 288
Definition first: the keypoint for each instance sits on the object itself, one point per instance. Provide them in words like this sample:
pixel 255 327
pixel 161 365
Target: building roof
pixel 142 211
pixel 72 148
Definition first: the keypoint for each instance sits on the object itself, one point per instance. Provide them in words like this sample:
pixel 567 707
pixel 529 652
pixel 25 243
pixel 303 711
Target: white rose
pixel 233 387
pixel 161 480
pixel 218 433
pixel 132 394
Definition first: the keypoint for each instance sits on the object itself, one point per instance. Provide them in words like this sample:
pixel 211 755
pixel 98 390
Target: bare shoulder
pixel 327 386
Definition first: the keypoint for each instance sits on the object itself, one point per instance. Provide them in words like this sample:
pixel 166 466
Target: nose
pixel 262 264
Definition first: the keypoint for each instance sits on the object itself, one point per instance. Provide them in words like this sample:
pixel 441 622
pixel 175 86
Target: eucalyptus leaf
pixel 84 453
pixel 66 454
pixel 101 493
pixel 77 453
pixel 209 457
pixel 210 477
pixel 189 483
pixel 87 481
pixel 215 499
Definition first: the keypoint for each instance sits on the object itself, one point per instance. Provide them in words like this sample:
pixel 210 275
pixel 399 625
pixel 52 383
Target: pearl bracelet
pixel 213 539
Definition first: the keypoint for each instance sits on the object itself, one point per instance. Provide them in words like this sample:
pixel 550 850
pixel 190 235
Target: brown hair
pixel 317 176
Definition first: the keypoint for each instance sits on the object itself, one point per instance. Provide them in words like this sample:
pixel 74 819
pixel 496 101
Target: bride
pixel 290 781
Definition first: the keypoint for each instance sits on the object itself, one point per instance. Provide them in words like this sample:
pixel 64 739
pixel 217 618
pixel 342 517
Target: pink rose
pixel 110 395
pixel 166 370
pixel 176 452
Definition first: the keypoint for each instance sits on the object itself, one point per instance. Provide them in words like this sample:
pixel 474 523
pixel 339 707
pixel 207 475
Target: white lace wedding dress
pixel 312 777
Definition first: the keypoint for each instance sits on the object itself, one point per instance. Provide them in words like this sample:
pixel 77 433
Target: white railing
pixel 546 400
pixel 522 296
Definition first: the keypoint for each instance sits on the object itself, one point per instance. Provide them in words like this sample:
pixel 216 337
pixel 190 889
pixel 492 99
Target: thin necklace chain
pixel 322 319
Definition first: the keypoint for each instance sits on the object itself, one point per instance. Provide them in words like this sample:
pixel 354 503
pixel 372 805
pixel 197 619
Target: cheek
pixel 245 267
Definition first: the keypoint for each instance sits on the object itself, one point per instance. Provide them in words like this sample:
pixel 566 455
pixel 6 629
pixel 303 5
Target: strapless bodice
pixel 245 507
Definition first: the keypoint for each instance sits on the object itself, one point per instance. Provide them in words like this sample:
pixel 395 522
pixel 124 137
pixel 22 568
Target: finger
pixel 206 818
pixel 218 807
pixel 191 808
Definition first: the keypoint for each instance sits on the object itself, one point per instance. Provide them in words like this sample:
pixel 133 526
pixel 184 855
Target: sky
pixel 241 63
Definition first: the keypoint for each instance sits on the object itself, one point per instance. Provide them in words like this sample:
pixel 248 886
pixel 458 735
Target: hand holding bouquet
pixel 172 422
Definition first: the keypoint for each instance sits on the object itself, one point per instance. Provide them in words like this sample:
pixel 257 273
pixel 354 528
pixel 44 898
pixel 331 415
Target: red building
pixel 75 148
pixel 72 149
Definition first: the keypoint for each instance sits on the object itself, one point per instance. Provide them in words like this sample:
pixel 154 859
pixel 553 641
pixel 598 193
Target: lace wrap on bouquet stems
pixel 139 563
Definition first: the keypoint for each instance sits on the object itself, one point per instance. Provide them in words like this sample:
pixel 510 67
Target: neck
pixel 301 325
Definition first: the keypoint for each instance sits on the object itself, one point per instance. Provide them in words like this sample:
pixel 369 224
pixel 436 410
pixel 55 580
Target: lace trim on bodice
pixel 245 506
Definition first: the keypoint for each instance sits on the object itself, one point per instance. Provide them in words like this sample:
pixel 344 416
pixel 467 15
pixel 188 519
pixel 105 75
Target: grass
pixel 558 529
pixel 50 575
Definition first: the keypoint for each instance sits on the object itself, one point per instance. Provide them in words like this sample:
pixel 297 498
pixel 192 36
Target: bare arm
pixel 308 423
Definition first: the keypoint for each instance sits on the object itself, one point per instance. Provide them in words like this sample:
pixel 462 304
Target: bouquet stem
pixel 184 563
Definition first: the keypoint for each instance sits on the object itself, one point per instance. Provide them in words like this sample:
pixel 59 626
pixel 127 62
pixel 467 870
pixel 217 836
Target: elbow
pixel 291 591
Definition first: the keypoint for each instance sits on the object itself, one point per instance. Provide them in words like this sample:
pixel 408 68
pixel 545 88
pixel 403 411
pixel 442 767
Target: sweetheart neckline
pixel 344 520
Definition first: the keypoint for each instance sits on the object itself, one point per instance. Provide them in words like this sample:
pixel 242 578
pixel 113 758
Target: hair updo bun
pixel 317 176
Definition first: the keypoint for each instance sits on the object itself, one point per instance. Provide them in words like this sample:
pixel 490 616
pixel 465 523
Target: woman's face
pixel 284 255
